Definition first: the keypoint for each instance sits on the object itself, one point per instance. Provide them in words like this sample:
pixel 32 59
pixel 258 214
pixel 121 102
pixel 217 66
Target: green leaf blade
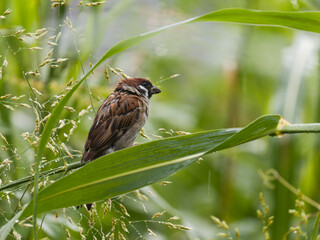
pixel 135 167
pixel 170 155
pixel 6 229
pixel 306 21
pixel 262 126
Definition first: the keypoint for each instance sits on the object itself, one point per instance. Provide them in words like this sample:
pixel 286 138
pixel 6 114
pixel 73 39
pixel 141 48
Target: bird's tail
pixel 89 155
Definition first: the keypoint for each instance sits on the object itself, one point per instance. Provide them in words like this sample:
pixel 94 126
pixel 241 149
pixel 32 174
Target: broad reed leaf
pixel 307 21
pixel 138 166
pixel 6 229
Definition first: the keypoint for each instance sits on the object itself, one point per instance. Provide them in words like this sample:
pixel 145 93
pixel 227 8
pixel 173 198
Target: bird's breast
pixel 128 136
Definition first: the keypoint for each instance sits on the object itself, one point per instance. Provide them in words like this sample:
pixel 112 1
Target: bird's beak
pixel 155 90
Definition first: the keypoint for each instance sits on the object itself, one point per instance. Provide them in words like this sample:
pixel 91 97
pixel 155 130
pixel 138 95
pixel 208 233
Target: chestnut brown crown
pixel 139 86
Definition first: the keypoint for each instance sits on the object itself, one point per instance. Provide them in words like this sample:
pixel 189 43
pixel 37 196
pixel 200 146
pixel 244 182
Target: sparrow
pixel 119 119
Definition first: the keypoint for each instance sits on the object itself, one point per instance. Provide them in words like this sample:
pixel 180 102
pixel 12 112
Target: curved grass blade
pixel 46 135
pixel 265 125
pixel 6 229
pixel 135 167
pixel 306 21
pixel 91 182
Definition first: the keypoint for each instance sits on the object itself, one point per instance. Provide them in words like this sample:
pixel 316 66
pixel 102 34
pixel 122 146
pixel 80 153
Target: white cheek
pixel 143 90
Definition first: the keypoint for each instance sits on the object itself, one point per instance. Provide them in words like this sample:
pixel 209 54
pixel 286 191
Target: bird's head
pixel 139 86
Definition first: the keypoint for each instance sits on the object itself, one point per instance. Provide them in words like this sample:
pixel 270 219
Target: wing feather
pixel 114 117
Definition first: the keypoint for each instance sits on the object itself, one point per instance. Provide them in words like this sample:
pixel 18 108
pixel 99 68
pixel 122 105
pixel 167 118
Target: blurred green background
pixel 212 76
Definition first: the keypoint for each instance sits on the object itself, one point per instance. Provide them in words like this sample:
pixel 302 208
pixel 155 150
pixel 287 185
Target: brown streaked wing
pixel 115 115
